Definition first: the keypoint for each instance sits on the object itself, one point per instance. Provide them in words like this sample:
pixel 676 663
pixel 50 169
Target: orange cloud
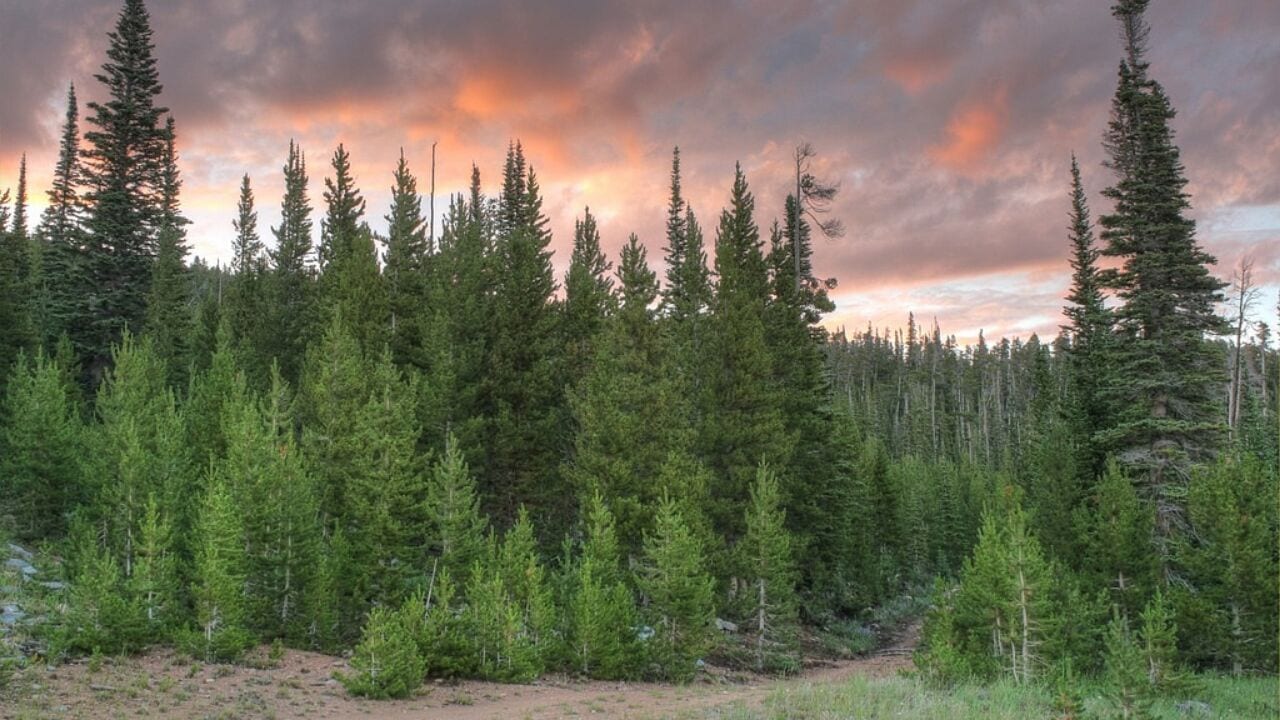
pixel 916 74
pixel 973 131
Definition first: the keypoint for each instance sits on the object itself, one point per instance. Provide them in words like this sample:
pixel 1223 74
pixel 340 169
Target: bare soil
pixel 299 685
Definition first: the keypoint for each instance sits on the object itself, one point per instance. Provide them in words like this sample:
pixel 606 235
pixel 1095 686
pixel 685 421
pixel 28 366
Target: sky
pixel 949 124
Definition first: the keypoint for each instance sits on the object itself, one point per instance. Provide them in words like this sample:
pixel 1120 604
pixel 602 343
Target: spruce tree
pixel 42 443
pixel 334 391
pixel 61 239
pixel 406 265
pixel 344 210
pixel 454 522
pixel 1163 378
pixel 15 291
pixel 626 410
pixel 768 561
pixel 603 639
pixel 350 282
pixel 679 593
pixel 743 421
pixel 523 399
pixel 387 663
pixel 168 316
pixel 291 281
pixel 588 297
pixel 1115 531
pixel 526 582
pixel 124 178
pixel 1089 329
pixel 153 585
pixel 246 303
pixel 384 495
pixel 220 632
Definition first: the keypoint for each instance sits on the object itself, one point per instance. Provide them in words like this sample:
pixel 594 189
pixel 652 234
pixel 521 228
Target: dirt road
pixel 301 686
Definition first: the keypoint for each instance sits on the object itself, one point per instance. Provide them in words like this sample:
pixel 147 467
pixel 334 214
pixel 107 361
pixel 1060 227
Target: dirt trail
pixel 301 686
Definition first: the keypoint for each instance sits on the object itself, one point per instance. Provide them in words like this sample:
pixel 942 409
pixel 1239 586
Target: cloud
pixel 949 124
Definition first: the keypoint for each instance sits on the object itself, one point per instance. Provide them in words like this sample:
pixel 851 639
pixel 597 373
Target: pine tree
pixel 42 443
pixel 385 492
pixel 246 303
pixel 523 399
pixel 345 208
pixel 406 265
pixel 61 238
pixel 603 637
pixel 1163 379
pixel 588 297
pixel 1089 329
pixel 525 579
pixel 1230 618
pixel 168 316
pixel 1127 687
pixel 626 410
pixel 276 496
pixel 334 391
pixel 124 178
pixel 153 585
pixel 769 565
pixel 386 662
pixel 15 291
pixel 220 632
pixel 99 616
pixel 680 595
pixel 290 287
pixel 744 422
pixel 453 513
pixel 1115 531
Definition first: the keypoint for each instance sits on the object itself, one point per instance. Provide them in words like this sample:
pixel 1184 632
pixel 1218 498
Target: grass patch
pixel 907 697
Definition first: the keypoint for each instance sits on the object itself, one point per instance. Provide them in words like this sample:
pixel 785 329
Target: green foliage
pixel 386 662
pixel 1115 531
pixel 603 641
pixel 769 566
pixel 99 617
pixel 290 285
pixel 1126 683
pixel 220 631
pixel 679 593
pixel 453 514
pixel 41 449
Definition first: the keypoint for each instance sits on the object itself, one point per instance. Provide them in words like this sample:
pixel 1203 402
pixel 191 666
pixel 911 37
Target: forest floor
pixel 301 685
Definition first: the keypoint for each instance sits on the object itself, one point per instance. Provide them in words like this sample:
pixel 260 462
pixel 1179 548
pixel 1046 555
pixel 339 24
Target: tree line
pixel 430 451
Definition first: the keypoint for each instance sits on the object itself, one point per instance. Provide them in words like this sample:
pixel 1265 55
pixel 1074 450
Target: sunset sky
pixel 948 123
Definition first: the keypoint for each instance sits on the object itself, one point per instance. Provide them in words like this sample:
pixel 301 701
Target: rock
pixel 11 615
pixel 53 585
pixel 1195 708
pixel 22 566
pixel 18 551
pixel 725 625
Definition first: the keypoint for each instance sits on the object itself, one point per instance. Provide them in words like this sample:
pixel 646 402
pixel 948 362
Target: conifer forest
pixel 430 455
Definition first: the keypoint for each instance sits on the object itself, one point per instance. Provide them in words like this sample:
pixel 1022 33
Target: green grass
pixel 905 697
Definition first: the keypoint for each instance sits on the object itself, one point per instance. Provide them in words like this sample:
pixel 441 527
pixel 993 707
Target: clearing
pixel 300 685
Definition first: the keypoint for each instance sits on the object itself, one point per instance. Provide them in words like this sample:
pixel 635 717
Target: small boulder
pixel 726 626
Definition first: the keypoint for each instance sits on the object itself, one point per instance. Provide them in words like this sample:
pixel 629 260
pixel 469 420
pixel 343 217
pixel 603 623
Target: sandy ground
pixel 300 685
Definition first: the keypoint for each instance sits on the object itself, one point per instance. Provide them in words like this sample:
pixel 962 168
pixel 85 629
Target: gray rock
pixel 726 626
pixel 11 615
pixel 53 585
pixel 1194 708
pixel 22 566
pixel 20 552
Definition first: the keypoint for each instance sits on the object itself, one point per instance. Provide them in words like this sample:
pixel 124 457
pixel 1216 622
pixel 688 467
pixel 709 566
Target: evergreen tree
pixel 41 449
pixel 1127 687
pixel 1163 379
pixel 99 616
pixel 744 422
pixel 526 583
pixel 769 565
pixel 1115 532
pixel 15 295
pixel 124 173
pixel 679 593
pixel 407 256
pixel 153 585
pixel 345 208
pixel 220 631
pixel 385 492
pixel 1089 329
pixel 387 663
pixel 168 317
pixel 61 236
pixel 522 396
pixel 290 285
pixel 277 502
pixel 588 297
pixel 1229 619
pixel 453 513
pixel 334 391
pixel 626 409
pixel 603 639
pixel 246 303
